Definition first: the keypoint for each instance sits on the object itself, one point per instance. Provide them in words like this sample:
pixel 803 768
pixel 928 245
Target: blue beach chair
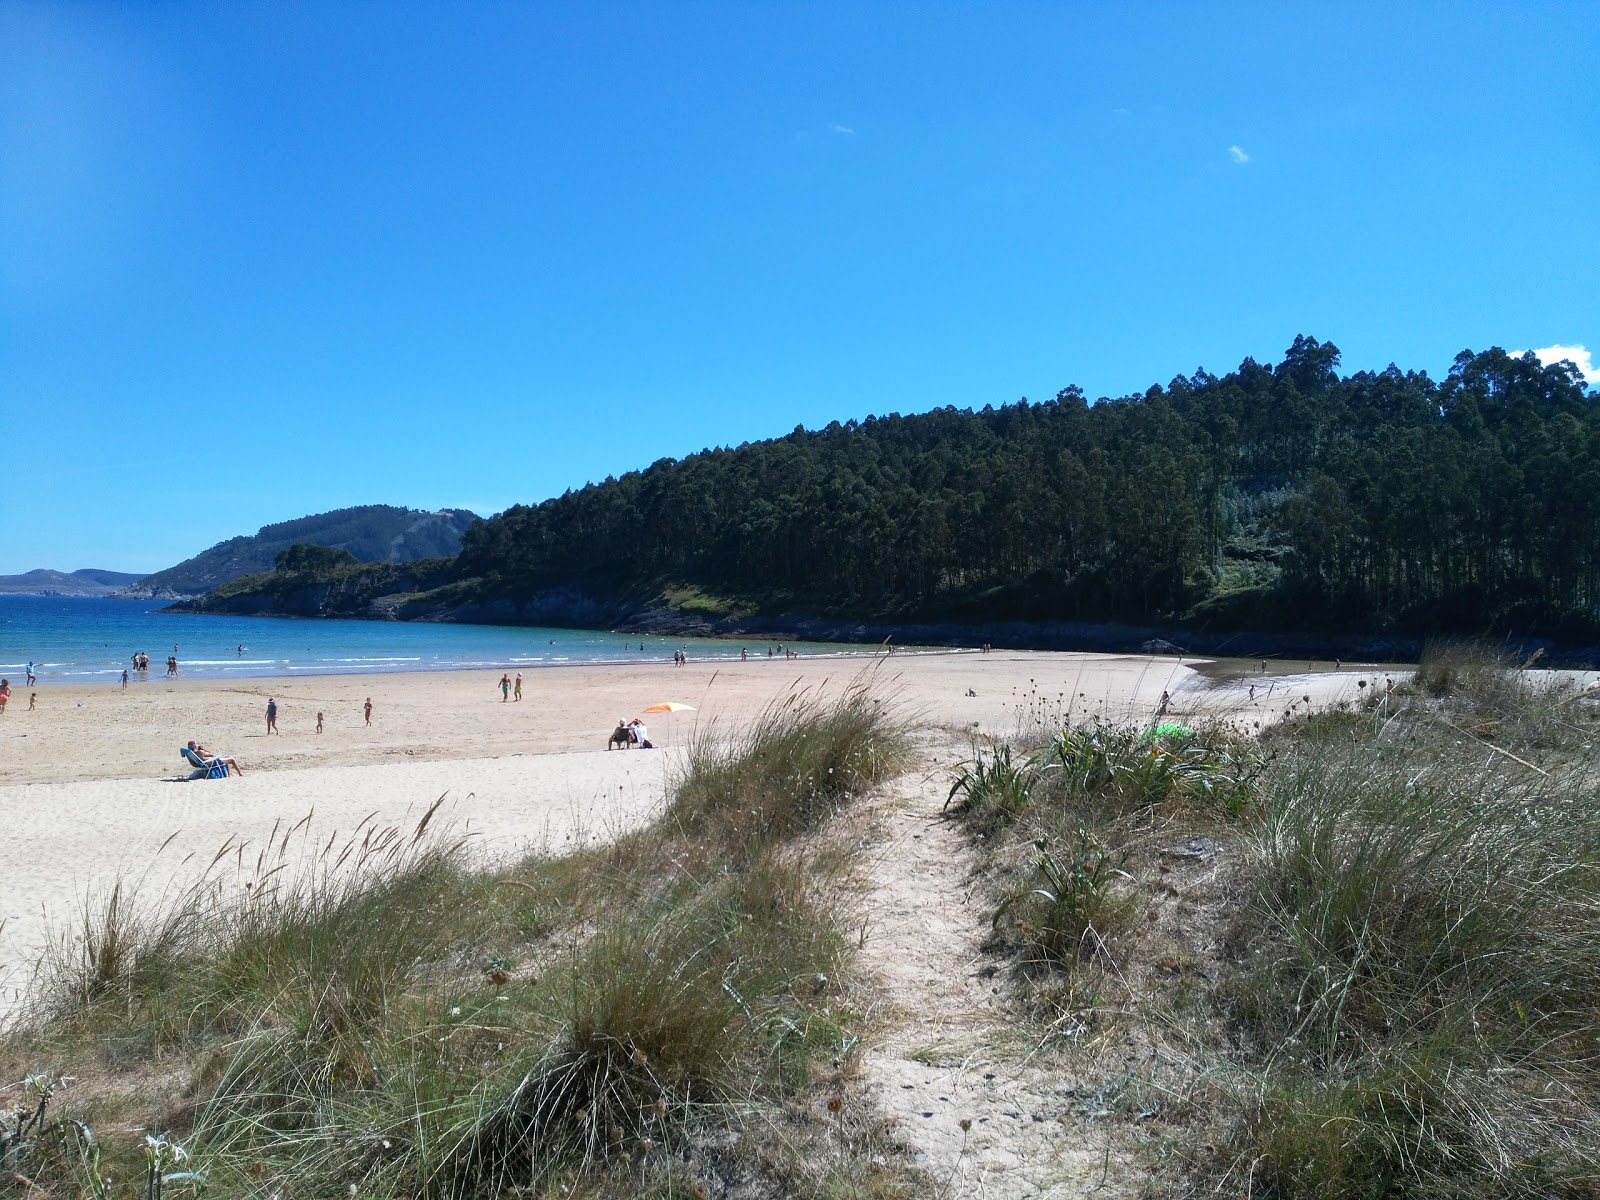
pixel 205 768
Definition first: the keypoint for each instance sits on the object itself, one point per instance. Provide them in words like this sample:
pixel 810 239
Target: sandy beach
pixel 90 779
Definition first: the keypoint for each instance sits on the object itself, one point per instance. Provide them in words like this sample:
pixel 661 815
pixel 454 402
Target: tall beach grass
pixel 381 1017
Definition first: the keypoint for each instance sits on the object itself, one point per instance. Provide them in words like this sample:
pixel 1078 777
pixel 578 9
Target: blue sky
pixel 259 260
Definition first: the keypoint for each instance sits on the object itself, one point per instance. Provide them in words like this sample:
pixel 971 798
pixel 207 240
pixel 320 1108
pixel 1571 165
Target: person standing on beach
pixel 124 678
pixel 33 701
pixel 319 722
pixel 368 710
pixel 272 716
pixel 32 678
pixel 505 688
pixel 517 688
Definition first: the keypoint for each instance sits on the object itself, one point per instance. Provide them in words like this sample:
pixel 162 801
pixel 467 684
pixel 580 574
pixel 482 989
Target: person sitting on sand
pixel 636 728
pixel 5 694
pixel 621 736
pixel 211 760
pixel 227 760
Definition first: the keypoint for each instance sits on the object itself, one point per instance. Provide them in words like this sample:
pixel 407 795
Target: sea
pixel 92 640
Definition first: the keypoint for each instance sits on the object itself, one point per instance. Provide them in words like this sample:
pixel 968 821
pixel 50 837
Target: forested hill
pixel 1266 495
pixel 1269 498
pixel 370 532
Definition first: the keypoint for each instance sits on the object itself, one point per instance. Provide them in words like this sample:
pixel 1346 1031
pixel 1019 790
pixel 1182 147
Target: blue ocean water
pixel 81 640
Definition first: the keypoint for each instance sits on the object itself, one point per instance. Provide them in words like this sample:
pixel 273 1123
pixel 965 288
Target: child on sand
pixel 319 722
pixel 368 710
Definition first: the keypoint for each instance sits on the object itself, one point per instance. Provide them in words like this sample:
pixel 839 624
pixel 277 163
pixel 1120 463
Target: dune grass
pixel 1391 958
pixel 379 1017
pixel 1056 824
pixel 1422 977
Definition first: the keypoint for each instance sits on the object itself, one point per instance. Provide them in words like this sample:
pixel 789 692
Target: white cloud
pixel 1238 155
pixel 1120 112
pixel 1574 354
pixel 844 129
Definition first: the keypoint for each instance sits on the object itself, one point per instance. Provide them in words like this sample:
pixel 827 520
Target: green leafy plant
pixel 1070 910
pixel 990 794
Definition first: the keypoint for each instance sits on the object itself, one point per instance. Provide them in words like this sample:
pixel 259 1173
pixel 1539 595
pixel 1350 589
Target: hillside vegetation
pixel 1283 497
pixel 379 533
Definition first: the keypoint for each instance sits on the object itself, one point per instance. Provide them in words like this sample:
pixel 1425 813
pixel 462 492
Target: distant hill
pixel 88 582
pixel 372 532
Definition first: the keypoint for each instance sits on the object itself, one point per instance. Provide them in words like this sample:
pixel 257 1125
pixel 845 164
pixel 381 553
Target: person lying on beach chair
pixel 620 736
pixel 207 765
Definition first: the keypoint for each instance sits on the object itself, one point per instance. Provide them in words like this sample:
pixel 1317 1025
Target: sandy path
pixel 948 1051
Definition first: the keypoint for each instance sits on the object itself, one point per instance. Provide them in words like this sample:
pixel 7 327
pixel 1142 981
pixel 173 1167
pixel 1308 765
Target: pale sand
pixel 85 780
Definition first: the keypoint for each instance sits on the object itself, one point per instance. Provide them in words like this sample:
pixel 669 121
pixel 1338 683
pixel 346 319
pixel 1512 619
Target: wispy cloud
pixel 1574 354
pixel 1238 155
pixel 1120 112
pixel 841 129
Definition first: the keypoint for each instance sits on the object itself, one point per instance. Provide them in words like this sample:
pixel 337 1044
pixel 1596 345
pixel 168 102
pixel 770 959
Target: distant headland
pixel 87 582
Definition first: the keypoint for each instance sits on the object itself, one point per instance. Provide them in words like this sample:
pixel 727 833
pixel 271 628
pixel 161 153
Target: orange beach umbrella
pixel 671 706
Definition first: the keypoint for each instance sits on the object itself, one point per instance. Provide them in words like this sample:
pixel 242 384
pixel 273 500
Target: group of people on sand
pixel 204 761
pixel 5 695
pixel 507 687
pixel 630 733
pixel 272 715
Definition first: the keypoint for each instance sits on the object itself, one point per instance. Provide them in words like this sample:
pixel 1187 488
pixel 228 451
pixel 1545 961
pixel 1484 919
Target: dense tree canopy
pixel 1377 499
pixel 305 556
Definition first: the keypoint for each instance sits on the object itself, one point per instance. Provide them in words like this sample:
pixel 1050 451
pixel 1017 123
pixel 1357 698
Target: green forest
pixel 1273 498
pixel 1270 497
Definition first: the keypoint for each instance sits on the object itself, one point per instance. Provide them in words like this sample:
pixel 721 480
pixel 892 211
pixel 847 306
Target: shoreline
pixel 103 731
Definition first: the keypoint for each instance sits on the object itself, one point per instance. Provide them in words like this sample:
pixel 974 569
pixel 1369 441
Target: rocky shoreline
pixel 573 609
